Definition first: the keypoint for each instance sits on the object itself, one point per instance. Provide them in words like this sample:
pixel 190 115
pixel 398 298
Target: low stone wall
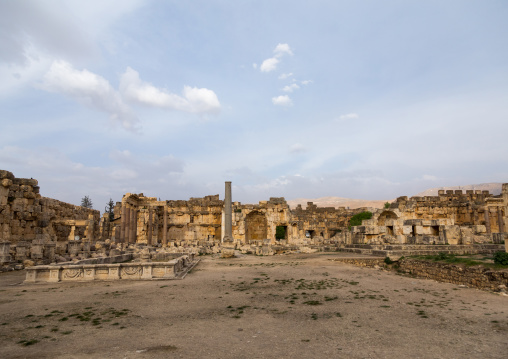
pixel 475 276
pixel 176 268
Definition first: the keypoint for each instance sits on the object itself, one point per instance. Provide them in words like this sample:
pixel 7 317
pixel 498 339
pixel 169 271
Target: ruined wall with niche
pixel 452 217
pixel 147 220
pixel 140 219
pixel 252 224
pixel 27 216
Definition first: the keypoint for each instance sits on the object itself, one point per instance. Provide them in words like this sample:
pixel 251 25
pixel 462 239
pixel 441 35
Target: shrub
pixel 388 260
pixel 501 258
pixel 357 219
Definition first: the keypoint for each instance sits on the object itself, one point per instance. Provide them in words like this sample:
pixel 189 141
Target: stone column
pixel 228 245
pixel 90 228
pixel 500 219
pixel 228 215
pixel 133 225
pixel 126 229
pixel 149 239
pixel 487 220
pixel 165 227
pixel 123 218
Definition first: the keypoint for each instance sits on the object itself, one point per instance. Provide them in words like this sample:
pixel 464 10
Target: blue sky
pixel 358 99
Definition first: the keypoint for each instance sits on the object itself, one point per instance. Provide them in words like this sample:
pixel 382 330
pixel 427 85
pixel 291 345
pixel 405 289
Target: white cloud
pixel 348 116
pixel 285 76
pixel 90 89
pixel 269 64
pixel 194 100
pixel 283 100
pixel 290 88
pixel 255 66
pixel 282 49
pixel 306 82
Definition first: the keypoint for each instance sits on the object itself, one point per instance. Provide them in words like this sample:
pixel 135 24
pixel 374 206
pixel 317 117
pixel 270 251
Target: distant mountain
pixel 493 188
pixel 337 202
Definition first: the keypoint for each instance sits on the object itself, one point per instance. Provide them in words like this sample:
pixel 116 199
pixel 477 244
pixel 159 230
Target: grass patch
pixel 28 342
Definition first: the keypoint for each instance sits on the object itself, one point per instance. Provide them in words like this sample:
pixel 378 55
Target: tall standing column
pixel 500 219
pixel 149 239
pixel 133 226
pixel 487 220
pixel 165 227
pixel 123 224
pixel 228 215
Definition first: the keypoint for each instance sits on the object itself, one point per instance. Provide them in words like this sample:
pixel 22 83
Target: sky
pixel 296 99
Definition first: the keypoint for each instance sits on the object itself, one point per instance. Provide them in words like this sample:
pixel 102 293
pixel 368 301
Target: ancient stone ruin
pixel 36 230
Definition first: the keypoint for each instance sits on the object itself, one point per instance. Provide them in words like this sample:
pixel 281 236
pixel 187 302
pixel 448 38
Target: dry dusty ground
pixel 298 306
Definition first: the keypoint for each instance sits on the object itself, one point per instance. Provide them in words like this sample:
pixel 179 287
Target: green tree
pixel 86 202
pixel 387 205
pixel 110 209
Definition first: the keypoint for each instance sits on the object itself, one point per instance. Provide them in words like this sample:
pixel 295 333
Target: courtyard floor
pixel 293 306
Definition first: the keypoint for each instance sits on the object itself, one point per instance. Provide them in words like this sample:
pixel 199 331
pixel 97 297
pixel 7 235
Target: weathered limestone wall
pixel 140 219
pixel 26 216
pixel 453 217
pixel 146 220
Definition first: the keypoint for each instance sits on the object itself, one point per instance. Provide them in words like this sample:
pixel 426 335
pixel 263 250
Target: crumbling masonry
pixel 40 229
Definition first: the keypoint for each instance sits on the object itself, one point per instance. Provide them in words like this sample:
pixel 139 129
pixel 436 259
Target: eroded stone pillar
pixel 487 220
pixel 133 225
pixel 123 219
pixel 228 214
pixel 165 227
pixel 126 230
pixel 500 220
pixel 89 232
pixel 149 239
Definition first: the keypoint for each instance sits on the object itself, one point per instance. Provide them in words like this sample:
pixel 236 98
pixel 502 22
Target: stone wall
pixel 199 221
pixel 475 276
pixel 35 227
pixel 26 216
pixel 452 217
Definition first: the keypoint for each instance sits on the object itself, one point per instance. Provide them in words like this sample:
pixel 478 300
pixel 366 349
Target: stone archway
pixel 382 219
pixel 255 227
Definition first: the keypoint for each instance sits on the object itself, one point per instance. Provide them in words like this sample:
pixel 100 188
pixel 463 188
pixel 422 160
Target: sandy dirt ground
pixel 295 306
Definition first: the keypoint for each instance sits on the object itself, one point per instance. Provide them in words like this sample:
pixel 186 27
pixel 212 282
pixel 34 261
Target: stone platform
pixel 173 269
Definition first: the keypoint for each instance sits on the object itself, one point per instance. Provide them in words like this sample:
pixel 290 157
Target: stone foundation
pixel 172 269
